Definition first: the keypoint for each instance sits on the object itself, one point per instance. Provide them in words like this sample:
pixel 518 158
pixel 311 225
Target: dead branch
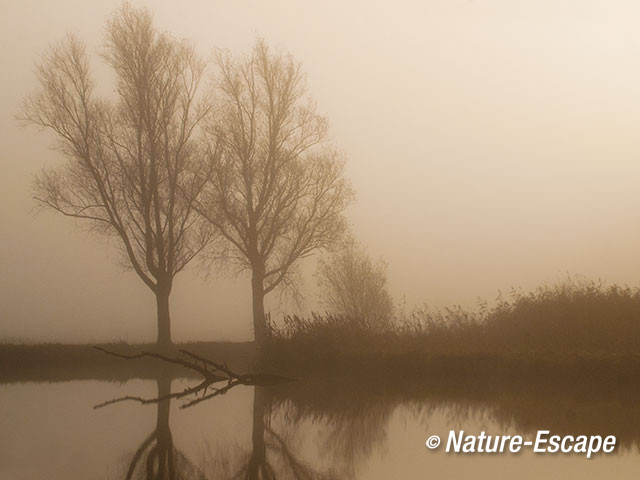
pixel 144 401
pixel 215 393
pixel 178 361
pixel 210 377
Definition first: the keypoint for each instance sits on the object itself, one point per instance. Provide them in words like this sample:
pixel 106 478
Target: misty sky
pixel 491 143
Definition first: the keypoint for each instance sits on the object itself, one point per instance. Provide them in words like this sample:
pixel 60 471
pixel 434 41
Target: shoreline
pixel 63 362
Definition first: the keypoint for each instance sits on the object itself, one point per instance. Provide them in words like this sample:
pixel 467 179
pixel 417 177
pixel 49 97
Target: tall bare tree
pixel 133 160
pixel 354 286
pixel 277 191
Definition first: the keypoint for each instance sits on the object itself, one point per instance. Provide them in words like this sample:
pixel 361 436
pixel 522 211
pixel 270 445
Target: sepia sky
pixel 491 144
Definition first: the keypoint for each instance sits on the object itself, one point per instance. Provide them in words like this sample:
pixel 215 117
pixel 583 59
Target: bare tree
pixel 277 191
pixel 132 161
pixel 272 455
pixel 354 286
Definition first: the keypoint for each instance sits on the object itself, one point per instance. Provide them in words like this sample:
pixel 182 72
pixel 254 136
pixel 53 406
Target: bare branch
pixel 210 377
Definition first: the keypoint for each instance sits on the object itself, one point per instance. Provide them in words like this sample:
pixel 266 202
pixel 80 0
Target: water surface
pixel 296 431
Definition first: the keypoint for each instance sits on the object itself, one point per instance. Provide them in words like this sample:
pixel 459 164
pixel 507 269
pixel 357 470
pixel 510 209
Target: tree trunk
pixel 164 321
pixel 258 459
pixel 260 330
pixel 164 445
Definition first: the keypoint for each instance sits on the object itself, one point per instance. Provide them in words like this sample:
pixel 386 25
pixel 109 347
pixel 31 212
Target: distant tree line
pixel 171 168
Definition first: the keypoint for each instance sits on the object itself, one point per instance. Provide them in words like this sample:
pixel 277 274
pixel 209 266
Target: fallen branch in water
pixel 184 393
pixel 208 369
pixel 178 361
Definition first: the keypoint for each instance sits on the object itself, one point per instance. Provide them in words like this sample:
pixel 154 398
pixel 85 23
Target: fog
pixel 491 144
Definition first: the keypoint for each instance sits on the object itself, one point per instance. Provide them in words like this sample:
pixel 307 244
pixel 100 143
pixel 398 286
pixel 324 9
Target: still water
pixel 294 431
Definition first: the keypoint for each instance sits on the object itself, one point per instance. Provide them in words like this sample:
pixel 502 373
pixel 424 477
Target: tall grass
pixel 574 316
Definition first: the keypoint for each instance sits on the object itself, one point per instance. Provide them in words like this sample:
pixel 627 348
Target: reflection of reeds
pixel 348 435
pixel 362 407
pixel 273 452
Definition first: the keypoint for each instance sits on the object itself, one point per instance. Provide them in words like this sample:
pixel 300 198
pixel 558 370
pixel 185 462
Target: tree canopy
pixel 133 162
pixel 276 191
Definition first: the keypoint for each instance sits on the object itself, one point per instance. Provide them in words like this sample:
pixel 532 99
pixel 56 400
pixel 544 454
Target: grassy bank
pixel 571 317
pixel 58 362
pixel 582 331
pixel 55 362
pixel 572 328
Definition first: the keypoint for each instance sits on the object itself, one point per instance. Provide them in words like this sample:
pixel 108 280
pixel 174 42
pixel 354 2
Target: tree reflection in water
pixel 347 420
pixel 157 458
pixel 346 439
pixel 270 457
